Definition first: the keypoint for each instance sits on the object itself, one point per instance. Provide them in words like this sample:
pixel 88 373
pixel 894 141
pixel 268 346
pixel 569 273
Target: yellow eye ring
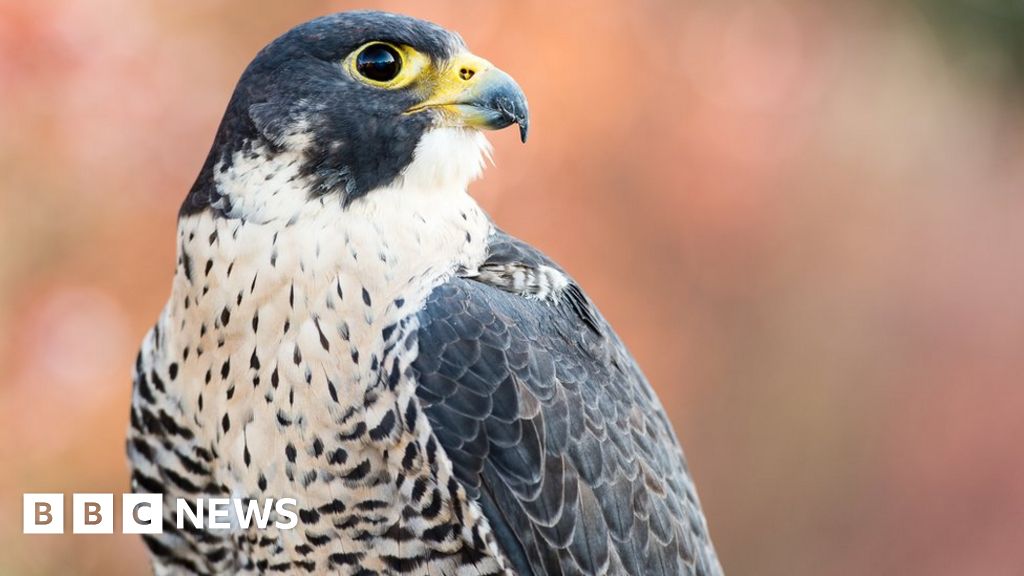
pixel 385 65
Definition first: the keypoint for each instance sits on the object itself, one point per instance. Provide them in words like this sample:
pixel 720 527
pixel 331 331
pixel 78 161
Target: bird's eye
pixel 379 62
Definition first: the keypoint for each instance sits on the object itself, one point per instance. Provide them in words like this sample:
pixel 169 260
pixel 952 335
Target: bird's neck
pixel 277 255
pixel 394 245
pixel 312 287
pixel 268 231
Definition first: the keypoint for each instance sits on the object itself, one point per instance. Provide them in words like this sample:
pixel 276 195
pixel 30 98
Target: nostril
pixel 466 73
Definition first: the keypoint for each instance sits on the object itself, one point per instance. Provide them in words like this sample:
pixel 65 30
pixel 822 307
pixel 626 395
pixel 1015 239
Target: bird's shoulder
pixel 550 425
pixel 515 267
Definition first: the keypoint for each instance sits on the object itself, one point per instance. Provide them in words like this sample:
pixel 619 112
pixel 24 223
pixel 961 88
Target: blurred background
pixel 805 218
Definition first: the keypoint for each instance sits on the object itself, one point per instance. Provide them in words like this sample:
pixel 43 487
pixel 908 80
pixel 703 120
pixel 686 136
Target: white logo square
pixel 142 513
pixel 92 513
pixel 43 513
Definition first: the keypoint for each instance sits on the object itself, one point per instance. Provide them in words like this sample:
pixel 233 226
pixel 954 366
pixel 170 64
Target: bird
pixel 347 327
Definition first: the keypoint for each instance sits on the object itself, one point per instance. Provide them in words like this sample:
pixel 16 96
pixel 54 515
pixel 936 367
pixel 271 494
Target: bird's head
pixel 350 100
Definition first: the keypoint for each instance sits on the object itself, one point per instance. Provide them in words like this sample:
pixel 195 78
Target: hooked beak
pixel 470 91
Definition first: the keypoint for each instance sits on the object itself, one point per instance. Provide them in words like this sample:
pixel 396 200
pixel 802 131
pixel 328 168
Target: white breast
pixel 286 313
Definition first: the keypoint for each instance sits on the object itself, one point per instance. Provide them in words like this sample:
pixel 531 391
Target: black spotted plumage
pixel 550 424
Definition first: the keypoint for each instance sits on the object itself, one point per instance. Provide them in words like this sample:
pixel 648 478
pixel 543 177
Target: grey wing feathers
pixel 550 425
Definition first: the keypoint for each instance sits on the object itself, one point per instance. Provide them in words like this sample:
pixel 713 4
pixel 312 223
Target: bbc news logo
pixel 144 514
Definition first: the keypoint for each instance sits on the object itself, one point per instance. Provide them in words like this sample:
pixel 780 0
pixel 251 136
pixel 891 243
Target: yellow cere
pixel 458 79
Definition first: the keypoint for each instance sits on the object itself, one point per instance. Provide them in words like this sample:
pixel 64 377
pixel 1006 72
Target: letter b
pixel 93 514
pixel 43 514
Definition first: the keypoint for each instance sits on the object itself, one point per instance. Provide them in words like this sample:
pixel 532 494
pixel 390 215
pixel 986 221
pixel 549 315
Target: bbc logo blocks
pixel 92 513
pixel 144 513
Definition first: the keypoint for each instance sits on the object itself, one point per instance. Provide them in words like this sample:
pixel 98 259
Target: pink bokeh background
pixel 804 218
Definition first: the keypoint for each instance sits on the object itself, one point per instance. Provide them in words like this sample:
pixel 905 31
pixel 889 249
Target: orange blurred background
pixel 804 218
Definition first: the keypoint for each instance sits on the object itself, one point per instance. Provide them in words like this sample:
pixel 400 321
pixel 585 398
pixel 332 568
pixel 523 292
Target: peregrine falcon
pixel 348 328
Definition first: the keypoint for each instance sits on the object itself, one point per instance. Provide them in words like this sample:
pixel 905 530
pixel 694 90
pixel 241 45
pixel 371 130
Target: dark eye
pixel 379 62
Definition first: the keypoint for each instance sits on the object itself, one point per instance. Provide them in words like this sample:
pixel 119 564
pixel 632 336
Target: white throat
pixel 447 158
